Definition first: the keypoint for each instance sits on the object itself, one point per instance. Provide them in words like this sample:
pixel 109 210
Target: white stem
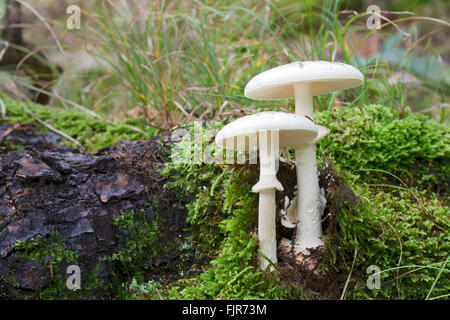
pixel 303 99
pixel 268 156
pixel 309 226
pixel 266 227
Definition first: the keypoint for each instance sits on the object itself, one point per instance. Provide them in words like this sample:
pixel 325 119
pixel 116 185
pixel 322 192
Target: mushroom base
pixel 308 259
pixel 308 269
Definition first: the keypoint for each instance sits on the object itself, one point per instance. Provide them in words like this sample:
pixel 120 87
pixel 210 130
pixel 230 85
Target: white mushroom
pixel 289 214
pixel 289 219
pixel 405 78
pixel 302 81
pixel 268 132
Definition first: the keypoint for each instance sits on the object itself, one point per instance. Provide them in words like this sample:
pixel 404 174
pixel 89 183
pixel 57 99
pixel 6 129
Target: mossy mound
pixel 398 225
pixel 397 166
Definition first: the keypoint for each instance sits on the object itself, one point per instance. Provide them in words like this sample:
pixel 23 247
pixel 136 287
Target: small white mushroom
pixel 302 81
pixel 405 78
pixel 289 218
pixel 268 132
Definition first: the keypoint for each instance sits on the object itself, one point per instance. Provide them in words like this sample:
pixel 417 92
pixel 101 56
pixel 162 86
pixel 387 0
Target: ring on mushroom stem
pixel 302 81
pixel 267 132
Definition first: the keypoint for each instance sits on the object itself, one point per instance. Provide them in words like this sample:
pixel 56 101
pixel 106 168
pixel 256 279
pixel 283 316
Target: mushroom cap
pixel 324 77
pixel 293 130
pixel 403 77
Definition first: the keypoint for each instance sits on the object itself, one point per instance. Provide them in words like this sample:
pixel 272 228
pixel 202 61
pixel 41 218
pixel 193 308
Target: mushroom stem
pixel 268 156
pixel 303 100
pixel 309 227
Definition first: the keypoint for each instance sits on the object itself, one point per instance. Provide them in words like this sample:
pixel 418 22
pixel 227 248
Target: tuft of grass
pixel 178 61
pixel 174 61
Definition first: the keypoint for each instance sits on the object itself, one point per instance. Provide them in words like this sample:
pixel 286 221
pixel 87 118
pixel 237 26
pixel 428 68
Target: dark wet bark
pixel 45 188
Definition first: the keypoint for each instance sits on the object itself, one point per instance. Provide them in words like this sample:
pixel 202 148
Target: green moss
pixel 93 133
pixel 204 187
pixel 401 231
pixel 233 274
pixel 376 137
pixel 139 242
pixel 48 251
pixel 392 162
pixel 51 252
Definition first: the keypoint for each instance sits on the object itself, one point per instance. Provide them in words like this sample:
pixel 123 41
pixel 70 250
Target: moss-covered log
pixel 60 207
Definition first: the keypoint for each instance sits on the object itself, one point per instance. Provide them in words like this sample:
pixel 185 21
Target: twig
pixel 195 109
pixel 159 294
pixel 2 53
pixel 389 21
pixel 401 254
pixel 179 106
pixel 436 107
pixel 50 127
pixel 3 107
pixel 349 275
pixel 56 95
pixel 445 23
pixel 8 131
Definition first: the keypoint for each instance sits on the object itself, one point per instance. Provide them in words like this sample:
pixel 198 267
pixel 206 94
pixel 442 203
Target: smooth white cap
pixel 293 130
pixel 324 77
